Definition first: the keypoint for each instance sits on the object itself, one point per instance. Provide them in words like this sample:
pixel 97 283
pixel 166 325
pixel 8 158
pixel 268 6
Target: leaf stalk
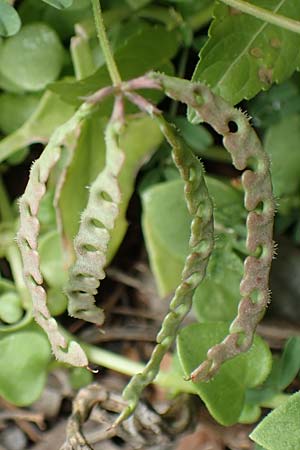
pixel 104 43
pixel 266 15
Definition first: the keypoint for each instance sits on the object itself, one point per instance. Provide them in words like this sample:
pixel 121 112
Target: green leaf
pixel 166 227
pixel 49 114
pixel 64 21
pixel 57 301
pixel 51 259
pixel 141 138
pixel 280 429
pixel 33 58
pixel 11 310
pixel 289 363
pixel 80 377
pixel 270 107
pixel 88 160
pixel 229 209
pixel 224 395
pixel 218 295
pixel 10 22
pixel 282 139
pixel 196 136
pixel 244 55
pixel 59 4
pixel 61 20
pixel 15 110
pixel 148 49
pixel 284 370
pixel 136 4
pixel 24 356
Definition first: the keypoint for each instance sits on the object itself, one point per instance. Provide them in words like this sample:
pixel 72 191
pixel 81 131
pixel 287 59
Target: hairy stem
pixel 104 43
pixel 265 15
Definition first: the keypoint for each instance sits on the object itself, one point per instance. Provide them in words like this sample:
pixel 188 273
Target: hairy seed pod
pixel 248 155
pixel 27 239
pixel 91 242
pixel 201 245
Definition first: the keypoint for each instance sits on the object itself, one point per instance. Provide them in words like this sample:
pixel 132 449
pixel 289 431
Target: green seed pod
pixel 92 240
pixel 201 245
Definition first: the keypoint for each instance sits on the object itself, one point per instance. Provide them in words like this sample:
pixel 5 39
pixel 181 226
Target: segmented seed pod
pixel 97 221
pixel 201 245
pixel 248 155
pixel 27 239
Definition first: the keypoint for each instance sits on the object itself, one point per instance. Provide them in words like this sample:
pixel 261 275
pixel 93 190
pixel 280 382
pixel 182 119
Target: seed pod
pixel 247 154
pixel 27 239
pixel 201 244
pixel 93 237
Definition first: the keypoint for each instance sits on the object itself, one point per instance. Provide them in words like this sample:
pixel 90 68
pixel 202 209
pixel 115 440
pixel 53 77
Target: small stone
pixel 49 403
pixel 12 438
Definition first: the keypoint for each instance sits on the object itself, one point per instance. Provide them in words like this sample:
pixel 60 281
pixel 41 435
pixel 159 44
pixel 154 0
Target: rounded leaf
pixel 10 22
pixel 24 356
pixel 217 297
pixel 33 58
pixel 80 377
pixel 224 395
pixel 52 264
pixel 11 309
pixel 57 301
pixel 15 110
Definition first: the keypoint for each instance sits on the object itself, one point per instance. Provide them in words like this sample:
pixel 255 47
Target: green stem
pixel 265 14
pixel 125 366
pixel 275 401
pixel 104 43
pixel 120 364
pixel 81 54
pixel 12 252
pixel 201 18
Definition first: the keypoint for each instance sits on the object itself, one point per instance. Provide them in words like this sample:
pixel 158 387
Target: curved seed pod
pixel 27 239
pixel 201 244
pixel 247 154
pixel 92 240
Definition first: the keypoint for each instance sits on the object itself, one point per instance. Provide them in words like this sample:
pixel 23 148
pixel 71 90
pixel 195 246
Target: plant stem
pixel 81 54
pixel 104 43
pixel 265 14
pixel 118 363
pixel 201 18
pixel 12 252
pixel 109 360
pixel 125 366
